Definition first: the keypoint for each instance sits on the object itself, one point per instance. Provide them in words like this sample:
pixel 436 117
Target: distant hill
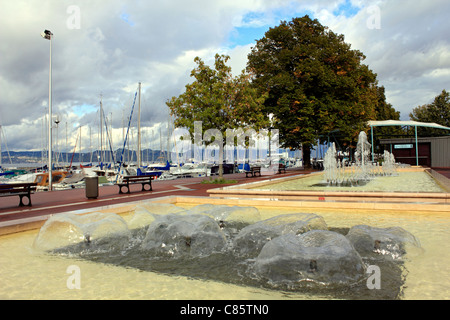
pixel 30 157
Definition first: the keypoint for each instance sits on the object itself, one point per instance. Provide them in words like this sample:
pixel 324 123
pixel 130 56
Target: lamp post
pixel 48 35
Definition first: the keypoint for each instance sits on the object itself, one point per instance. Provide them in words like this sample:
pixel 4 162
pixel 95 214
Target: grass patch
pixel 219 181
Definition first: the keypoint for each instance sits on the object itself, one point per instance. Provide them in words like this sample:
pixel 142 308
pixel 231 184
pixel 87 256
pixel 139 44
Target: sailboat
pixel 42 179
pixel 191 170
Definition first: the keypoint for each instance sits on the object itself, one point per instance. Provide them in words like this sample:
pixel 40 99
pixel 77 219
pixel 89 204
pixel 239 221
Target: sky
pixel 102 49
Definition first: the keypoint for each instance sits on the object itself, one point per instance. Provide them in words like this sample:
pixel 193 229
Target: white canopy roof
pixel 416 124
pixel 386 123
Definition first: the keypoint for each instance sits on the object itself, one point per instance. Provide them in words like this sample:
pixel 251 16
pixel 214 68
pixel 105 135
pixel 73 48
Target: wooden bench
pixel 18 189
pixel 253 171
pixel 281 167
pixel 143 180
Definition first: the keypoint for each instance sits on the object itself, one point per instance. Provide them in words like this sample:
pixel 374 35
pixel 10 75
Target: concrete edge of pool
pixel 341 199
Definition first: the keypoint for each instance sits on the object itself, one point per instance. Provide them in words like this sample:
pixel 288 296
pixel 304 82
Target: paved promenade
pixel 54 202
pixel 46 203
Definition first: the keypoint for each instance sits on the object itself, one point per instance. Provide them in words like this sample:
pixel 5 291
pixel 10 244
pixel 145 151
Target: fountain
pixel 360 172
pixel 296 252
pixel 362 154
pixel 330 165
pixel 389 166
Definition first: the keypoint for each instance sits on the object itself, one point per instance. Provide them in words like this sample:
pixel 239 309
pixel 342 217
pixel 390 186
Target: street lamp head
pixel 47 34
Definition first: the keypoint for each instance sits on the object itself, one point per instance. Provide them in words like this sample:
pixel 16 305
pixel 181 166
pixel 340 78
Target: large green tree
pixel 219 100
pixel 384 110
pixel 315 83
pixel 436 112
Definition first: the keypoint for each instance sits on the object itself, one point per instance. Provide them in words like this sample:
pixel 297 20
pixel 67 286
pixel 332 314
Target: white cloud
pixel 410 45
pixel 238 58
pixel 120 43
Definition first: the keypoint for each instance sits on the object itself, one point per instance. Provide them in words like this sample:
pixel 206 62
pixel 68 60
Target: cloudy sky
pixel 103 49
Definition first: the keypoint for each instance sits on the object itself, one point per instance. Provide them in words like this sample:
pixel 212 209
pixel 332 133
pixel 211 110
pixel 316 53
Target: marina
pixel 224 151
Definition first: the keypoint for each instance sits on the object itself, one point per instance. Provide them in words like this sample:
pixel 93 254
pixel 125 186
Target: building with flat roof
pixel 433 152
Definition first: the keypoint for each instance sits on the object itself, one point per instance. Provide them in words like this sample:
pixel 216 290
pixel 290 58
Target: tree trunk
pixel 306 156
pixel 220 170
pixel 221 161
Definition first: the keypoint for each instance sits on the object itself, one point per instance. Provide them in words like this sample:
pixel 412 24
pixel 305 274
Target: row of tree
pixel 302 79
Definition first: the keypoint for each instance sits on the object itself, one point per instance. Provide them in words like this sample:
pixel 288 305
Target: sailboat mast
pixel 42 140
pixel 67 159
pixel 123 126
pixel 80 157
pixel 90 142
pixel 139 128
pixel 111 140
pixel 153 148
pixel 0 146
pixel 101 130
pixel 160 142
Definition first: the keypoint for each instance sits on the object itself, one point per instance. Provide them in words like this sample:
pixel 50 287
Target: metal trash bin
pixel 91 187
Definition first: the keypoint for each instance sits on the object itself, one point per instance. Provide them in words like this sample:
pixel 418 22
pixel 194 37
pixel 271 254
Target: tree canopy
pixel 219 100
pixel 437 112
pixel 301 78
pixel 315 84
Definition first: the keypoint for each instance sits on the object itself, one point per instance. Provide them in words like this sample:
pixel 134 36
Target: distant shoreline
pixel 29 165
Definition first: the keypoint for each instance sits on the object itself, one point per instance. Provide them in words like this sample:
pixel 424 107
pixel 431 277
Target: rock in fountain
pixel 178 235
pixel 252 238
pixel 317 255
pixel 289 251
pixel 78 232
pixel 391 243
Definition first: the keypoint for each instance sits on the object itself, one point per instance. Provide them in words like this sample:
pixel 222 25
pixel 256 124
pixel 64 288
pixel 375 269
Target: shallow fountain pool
pixel 27 273
pixel 403 182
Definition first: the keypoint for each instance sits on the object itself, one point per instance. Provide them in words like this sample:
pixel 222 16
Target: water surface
pixel 28 274
pixel 403 182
